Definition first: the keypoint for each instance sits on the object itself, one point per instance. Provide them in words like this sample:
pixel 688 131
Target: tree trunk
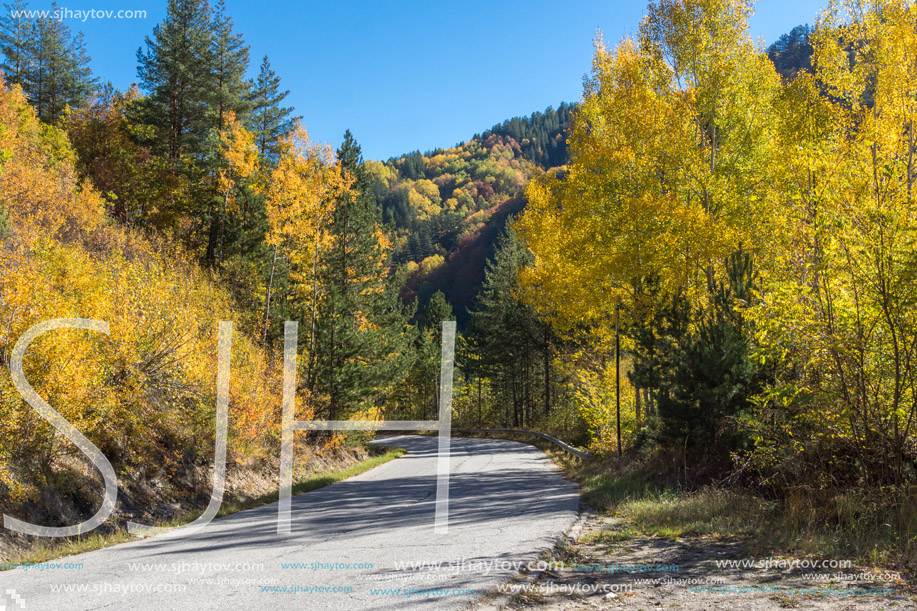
pixel 310 376
pixel 267 299
pixel 638 407
pixel 480 411
pixel 547 377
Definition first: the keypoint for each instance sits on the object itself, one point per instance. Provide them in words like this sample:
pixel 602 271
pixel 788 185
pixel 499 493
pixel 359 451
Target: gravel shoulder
pixel 607 568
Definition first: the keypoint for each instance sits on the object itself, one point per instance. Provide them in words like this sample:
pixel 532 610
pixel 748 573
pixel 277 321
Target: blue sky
pixel 411 75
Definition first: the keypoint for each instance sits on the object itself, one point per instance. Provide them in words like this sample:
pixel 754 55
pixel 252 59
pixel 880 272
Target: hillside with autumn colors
pixel 702 271
pixel 449 205
pixel 146 396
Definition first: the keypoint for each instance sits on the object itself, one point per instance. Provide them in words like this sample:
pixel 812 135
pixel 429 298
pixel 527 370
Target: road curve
pixel 354 541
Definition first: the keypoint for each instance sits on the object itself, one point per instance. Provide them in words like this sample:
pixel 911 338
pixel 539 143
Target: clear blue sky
pixel 412 75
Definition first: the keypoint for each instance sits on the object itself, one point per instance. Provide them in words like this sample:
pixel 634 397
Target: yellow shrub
pixel 145 394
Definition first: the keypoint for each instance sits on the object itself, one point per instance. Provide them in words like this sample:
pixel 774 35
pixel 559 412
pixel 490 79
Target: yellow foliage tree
pixel 840 304
pixel 145 395
pixel 671 148
pixel 300 198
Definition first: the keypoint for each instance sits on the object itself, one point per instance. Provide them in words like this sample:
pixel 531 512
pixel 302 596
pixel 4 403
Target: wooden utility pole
pixel 618 370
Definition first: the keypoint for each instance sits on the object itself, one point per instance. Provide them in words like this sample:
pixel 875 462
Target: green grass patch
pixel 707 512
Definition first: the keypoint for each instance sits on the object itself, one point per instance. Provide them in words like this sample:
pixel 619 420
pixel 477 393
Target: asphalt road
pixel 360 544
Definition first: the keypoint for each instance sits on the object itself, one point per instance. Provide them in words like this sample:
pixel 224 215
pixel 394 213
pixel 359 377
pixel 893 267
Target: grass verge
pixel 877 528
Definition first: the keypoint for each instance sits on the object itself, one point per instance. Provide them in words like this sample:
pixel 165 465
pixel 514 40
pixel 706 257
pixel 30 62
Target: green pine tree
pixel 268 120
pixel 15 36
pixel 230 57
pixel 437 311
pixel 712 376
pixel 176 69
pixel 49 62
pixel 229 94
pixel 426 370
pixel 360 341
pixel 512 344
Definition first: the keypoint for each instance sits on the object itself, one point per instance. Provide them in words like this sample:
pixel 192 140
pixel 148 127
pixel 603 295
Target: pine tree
pixel 177 71
pixel 15 35
pixel 360 349
pixel 512 344
pixel 79 83
pixel 47 60
pixel 711 377
pixel 437 311
pixel 269 121
pixel 230 56
pixel 227 98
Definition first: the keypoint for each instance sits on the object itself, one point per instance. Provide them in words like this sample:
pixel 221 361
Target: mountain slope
pixel 448 205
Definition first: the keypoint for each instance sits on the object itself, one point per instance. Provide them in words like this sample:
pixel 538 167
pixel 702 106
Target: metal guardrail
pixel 563 445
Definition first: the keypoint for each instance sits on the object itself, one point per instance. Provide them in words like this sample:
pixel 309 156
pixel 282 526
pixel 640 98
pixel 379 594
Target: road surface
pixel 364 543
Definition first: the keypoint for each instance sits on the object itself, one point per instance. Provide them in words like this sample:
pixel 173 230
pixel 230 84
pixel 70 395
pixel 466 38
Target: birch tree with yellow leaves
pixel 842 304
pixel 671 148
pixel 300 200
pixel 672 152
pixel 239 164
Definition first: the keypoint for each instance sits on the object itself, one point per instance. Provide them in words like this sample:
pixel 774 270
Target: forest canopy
pixel 706 263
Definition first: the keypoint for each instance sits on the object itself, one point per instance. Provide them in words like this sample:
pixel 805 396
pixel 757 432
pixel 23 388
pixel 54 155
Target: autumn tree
pixel 670 148
pixel 237 167
pixel 671 167
pixel 137 184
pixel 301 192
pixel 839 308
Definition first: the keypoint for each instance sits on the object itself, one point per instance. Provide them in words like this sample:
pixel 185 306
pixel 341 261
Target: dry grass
pixel 870 527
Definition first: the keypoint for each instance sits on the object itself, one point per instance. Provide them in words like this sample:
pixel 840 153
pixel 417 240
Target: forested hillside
pixel 705 266
pixel 195 197
pixel 198 196
pixel 144 394
pixel 792 52
pixel 448 205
